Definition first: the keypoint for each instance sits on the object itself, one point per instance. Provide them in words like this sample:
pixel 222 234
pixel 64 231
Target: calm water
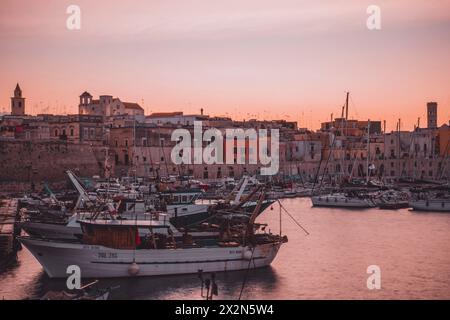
pixel 412 249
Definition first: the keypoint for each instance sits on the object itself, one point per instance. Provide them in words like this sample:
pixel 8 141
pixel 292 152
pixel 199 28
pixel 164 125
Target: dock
pixel 8 216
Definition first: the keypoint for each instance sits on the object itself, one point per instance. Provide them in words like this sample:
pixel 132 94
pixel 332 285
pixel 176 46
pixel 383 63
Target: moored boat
pixel 111 248
pixel 340 200
pixel 436 204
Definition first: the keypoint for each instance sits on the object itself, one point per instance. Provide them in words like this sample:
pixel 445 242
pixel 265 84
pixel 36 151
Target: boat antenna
pixel 293 219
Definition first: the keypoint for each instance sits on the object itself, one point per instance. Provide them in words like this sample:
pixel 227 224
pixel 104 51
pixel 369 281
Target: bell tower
pixel 17 102
pixel 432 114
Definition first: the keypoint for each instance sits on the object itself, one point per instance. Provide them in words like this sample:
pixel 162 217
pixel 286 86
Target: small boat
pixel 87 292
pixel 393 205
pixel 392 200
pixel 289 194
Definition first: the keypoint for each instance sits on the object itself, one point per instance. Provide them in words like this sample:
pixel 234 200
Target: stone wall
pixel 27 162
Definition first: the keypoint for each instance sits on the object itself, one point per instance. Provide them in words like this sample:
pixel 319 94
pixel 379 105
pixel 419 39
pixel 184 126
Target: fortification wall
pixel 28 162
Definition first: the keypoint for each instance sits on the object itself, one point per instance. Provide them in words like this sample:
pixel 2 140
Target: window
pixel 71 132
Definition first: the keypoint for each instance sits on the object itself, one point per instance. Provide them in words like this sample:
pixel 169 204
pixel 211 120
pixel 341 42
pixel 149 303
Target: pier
pixel 8 216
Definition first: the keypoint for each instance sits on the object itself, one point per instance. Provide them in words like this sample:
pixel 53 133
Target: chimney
pixel 201 111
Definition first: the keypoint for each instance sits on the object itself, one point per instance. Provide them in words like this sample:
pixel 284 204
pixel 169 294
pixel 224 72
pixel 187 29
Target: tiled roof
pixel 165 114
pixel 132 105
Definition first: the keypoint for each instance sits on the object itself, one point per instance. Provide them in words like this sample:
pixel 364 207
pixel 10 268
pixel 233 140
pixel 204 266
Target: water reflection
pixel 412 249
pixel 176 287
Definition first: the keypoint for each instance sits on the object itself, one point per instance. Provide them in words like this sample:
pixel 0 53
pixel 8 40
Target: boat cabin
pixel 181 197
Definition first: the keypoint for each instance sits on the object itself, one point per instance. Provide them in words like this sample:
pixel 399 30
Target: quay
pixel 8 215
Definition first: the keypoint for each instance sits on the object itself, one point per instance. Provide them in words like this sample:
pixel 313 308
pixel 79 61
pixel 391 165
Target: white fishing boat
pixel 111 249
pixel 104 262
pixel 340 200
pixel 182 208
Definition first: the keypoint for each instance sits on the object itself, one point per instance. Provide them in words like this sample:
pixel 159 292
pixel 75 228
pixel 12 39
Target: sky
pixel 283 59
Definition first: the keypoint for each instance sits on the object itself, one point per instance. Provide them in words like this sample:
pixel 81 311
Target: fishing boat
pixel 113 249
pixel 182 208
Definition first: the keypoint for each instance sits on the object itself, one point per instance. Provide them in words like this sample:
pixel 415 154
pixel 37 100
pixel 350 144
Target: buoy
pixel 247 254
pixel 133 269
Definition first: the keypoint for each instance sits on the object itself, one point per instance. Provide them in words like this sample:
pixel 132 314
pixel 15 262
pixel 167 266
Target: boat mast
pixel 346 112
pixel 134 150
pixel 368 150
pixel 384 151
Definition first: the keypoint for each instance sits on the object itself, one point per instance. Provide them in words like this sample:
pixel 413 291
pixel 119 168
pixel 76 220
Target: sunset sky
pixel 240 58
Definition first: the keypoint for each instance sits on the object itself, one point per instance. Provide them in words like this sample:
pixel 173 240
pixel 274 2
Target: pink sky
pixel 246 59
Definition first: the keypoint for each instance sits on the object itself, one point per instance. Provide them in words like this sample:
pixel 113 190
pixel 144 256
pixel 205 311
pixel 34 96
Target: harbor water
pixel 411 249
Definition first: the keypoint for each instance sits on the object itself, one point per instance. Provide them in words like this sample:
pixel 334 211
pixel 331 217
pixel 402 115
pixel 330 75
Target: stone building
pixel 17 102
pixel 107 106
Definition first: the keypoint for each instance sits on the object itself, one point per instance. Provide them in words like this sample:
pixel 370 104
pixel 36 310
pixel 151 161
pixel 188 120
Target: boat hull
pixel 332 202
pixel 431 205
pixel 393 205
pixel 103 262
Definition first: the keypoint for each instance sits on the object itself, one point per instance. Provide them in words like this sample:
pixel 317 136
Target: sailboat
pixel 344 199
